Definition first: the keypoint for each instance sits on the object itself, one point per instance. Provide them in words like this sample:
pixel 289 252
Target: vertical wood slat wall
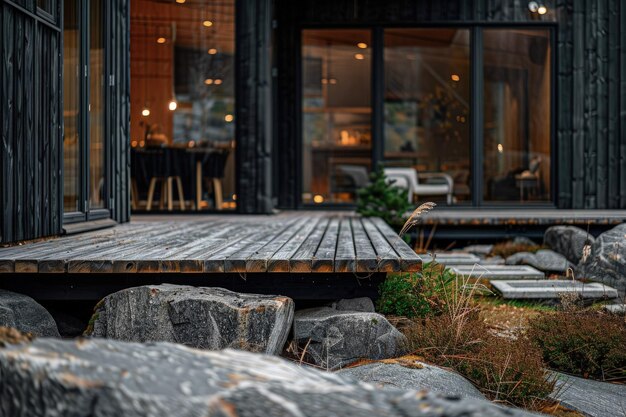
pixel 31 190
pixel 590 94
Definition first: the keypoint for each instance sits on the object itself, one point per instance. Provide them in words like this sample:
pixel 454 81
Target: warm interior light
pixel 218 81
pixel 455 77
pixel 500 148
pixel 208 81
pixel 542 10
pixel 333 81
pixel 212 51
pixel 359 56
pixel 172 105
pixel 145 112
pixel 318 199
pixel 161 40
pixel 362 45
pixel 180 1
pixel 229 118
pixel 207 23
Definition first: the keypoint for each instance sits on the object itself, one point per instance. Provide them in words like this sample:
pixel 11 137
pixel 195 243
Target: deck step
pixel 498 272
pixel 548 289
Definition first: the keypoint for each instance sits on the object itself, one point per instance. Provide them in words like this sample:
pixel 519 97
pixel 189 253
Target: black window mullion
pixel 476 115
pixel 86 113
pixel 378 96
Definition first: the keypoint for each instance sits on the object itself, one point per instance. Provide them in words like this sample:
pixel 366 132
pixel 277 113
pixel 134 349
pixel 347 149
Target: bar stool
pixel 163 166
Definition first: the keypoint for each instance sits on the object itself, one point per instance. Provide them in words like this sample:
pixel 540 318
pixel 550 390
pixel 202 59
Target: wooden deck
pixel 291 242
pixel 522 217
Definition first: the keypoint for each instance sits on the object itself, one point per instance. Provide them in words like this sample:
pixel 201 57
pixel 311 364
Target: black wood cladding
pixel 590 94
pixel 30 125
pixel 119 109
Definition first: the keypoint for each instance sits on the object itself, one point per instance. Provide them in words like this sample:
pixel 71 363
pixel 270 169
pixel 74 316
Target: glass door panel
pixel 517 85
pixel 96 106
pixel 71 107
pixel 336 103
pixel 426 109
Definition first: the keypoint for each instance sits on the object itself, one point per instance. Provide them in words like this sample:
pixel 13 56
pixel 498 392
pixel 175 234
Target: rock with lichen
pixel 26 315
pixel 98 377
pixel 201 317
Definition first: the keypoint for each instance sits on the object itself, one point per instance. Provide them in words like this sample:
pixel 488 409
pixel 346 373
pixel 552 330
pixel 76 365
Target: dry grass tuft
pixel 414 218
pixel 11 336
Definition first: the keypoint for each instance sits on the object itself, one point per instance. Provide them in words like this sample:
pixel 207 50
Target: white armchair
pixel 408 178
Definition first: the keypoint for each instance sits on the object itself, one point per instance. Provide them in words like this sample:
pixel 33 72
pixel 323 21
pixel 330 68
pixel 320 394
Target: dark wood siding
pixel 30 123
pixel 253 98
pixel 118 117
pixel 590 94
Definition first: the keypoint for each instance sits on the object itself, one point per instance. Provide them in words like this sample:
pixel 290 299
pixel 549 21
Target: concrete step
pixel 549 289
pixel 451 258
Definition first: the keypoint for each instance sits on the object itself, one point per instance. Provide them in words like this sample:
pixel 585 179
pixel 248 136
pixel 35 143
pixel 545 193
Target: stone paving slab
pixel 552 289
pixel 498 272
pixel 451 258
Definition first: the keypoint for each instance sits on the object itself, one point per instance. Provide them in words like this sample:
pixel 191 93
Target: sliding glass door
pixel 465 110
pixel 84 83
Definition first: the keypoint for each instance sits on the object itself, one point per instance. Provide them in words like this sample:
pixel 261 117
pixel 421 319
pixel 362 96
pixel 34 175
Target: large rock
pixel 591 398
pixel 607 261
pixel 363 304
pixel 335 338
pixel 545 260
pixel 410 374
pixel 104 378
pixel 209 318
pixel 26 315
pixel 569 241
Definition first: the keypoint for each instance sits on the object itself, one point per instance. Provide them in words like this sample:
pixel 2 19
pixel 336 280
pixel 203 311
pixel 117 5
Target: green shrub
pixel 591 344
pixel 379 199
pixel 417 294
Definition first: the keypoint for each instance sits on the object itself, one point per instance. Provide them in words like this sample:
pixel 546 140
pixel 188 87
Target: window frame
pixel 476 110
pixel 84 212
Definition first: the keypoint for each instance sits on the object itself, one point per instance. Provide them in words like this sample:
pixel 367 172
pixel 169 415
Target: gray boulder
pixel 26 315
pixel 335 338
pixel 480 250
pixel 100 377
pixel 569 241
pixel 208 318
pixel 589 397
pixel 363 304
pixel 545 260
pixel 414 375
pixel 607 260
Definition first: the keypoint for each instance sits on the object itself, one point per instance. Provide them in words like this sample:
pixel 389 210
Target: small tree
pixel 381 199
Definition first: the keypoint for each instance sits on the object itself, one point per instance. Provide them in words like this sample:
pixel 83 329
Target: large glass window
pixel 71 106
pixel 516 115
pixel 336 102
pixel 426 130
pixel 182 104
pixel 426 109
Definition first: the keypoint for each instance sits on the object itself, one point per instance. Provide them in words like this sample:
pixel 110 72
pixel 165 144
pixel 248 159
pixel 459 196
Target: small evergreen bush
pixel 417 294
pixel 380 199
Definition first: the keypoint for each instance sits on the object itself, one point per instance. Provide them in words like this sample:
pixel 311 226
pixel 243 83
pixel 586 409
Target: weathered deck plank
pixel 292 242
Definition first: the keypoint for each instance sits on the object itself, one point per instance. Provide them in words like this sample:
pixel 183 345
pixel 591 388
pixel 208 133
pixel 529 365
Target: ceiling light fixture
pixel 218 81
pixel 172 105
pixel 161 40
pixel 359 56
pixel 542 9
pixel 361 45
pixel 180 1
pixel 229 118
pixel 208 81
pixel 145 112
pixel 455 78
pixel 207 23
pixel 212 51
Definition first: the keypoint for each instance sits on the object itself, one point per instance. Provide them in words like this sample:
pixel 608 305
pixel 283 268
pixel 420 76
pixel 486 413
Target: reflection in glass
pixel 517 115
pixel 426 110
pixel 71 103
pixel 183 100
pixel 336 91
pixel 96 106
